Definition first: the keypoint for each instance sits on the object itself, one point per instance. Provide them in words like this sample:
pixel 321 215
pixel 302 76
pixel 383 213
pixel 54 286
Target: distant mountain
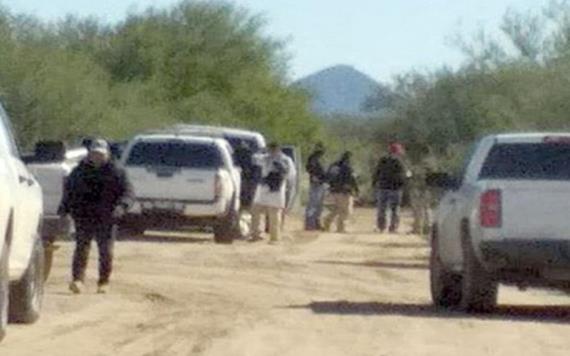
pixel 339 90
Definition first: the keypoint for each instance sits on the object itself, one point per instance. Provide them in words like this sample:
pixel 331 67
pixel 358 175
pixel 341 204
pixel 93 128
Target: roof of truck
pixel 530 137
pixel 210 131
pixel 183 137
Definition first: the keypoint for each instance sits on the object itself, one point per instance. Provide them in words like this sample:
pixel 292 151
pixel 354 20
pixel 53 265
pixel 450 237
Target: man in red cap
pixel 388 181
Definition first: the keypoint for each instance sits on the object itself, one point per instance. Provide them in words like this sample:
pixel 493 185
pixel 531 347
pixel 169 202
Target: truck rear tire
pixel 26 295
pixel 445 285
pixel 479 289
pixel 4 288
pixel 227 229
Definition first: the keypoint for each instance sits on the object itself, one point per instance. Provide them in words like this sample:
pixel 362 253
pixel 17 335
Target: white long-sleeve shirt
pixel 263 195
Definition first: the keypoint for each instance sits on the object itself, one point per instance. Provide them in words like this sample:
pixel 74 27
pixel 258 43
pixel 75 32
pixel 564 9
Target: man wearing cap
pixel 96 195
pixel 388 181
pixel 317 180
pixel 275 169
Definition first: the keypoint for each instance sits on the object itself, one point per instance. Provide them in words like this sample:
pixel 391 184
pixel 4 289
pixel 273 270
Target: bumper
pixel 535 262
pixel 167 220
pixel 180 208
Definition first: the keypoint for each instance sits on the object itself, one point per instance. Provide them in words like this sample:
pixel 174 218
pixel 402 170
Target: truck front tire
pixel 26 295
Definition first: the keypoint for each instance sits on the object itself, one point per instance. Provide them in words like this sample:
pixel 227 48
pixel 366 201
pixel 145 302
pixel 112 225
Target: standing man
pixel 270 198
pixel 317 180
pixel 343 187
pixel 96 195
pixel 388 181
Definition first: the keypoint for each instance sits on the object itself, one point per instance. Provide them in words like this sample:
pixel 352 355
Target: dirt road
pixel 327 294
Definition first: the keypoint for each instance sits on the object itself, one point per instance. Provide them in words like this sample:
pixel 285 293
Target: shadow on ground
pixel 394 245
pixel 523 313
pixel 378 264
pixel 166 238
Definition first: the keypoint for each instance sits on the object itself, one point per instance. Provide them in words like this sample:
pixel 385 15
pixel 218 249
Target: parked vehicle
pixel 235 137
pixel 181 181
pixel 21 250
pixel 293 192
pixel 51 163
pixel 503 220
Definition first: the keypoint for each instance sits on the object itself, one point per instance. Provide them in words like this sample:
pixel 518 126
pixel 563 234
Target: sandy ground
pixel 315 294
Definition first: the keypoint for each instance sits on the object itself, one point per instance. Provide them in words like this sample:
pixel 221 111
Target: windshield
pixel 528 161
pixel 175 154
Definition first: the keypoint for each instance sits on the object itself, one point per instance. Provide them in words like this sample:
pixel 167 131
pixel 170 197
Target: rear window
pixel 175 154
pixel 528 161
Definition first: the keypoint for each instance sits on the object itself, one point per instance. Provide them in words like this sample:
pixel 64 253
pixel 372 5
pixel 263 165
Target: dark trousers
pixel 104 235
pixel 388 199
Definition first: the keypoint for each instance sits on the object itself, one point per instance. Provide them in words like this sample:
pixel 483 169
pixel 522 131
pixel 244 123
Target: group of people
pixel 97 194
pixel 388 180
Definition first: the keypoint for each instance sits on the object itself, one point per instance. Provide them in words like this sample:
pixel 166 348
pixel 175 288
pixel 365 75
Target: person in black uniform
pixel 96 195
pixel 388 181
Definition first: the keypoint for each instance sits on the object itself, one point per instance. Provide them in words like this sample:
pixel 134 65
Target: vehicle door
pixel 294 153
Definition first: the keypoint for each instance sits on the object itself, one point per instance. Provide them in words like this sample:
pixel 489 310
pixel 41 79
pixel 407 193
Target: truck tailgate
pixel 536 210
pixel 165 183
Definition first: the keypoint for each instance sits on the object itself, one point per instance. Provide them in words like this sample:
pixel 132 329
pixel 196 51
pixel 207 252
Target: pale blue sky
pixel 379 37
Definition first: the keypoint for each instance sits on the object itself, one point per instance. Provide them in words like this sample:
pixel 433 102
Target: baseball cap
pixel 100 146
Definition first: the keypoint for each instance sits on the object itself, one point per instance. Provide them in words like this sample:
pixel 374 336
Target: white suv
pixel 21 251
pixel 503 220
pixel 181 181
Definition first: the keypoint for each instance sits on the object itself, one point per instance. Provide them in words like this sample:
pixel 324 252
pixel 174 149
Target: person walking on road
pixel 274 170
pixel 317 188
pixel 343 187
pixel 388 181
pixel 96 195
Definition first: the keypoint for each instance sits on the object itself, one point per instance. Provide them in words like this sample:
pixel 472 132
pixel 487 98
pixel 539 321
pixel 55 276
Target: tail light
pixel 218 187
pixel 490 211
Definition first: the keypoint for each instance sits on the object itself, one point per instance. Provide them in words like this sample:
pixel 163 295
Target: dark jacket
pixel 390 174
pixel 314 167
pixel 341 178
pixel 94 193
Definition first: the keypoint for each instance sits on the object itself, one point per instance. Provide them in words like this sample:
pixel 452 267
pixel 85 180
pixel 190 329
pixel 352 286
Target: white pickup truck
pixel 181 181
pixel 21 250
pixel 505 219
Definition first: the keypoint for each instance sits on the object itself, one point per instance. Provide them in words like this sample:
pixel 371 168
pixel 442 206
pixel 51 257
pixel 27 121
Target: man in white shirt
pixel 276 171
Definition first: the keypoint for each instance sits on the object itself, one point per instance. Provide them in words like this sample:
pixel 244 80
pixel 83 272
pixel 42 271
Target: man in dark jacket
pixel 388 181
pixel 317 180
pixel 343 188
pixel 96 195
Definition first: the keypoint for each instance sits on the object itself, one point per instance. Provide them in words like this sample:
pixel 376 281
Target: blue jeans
pixel 314 206
pixel 388 199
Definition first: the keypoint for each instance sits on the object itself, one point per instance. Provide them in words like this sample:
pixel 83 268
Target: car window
pixel 7 138
pixel 528 161
pixel 236 141
pixel 175 154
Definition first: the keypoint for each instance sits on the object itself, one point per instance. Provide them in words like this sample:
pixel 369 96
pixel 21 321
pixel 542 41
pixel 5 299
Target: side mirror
pixel 443 181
